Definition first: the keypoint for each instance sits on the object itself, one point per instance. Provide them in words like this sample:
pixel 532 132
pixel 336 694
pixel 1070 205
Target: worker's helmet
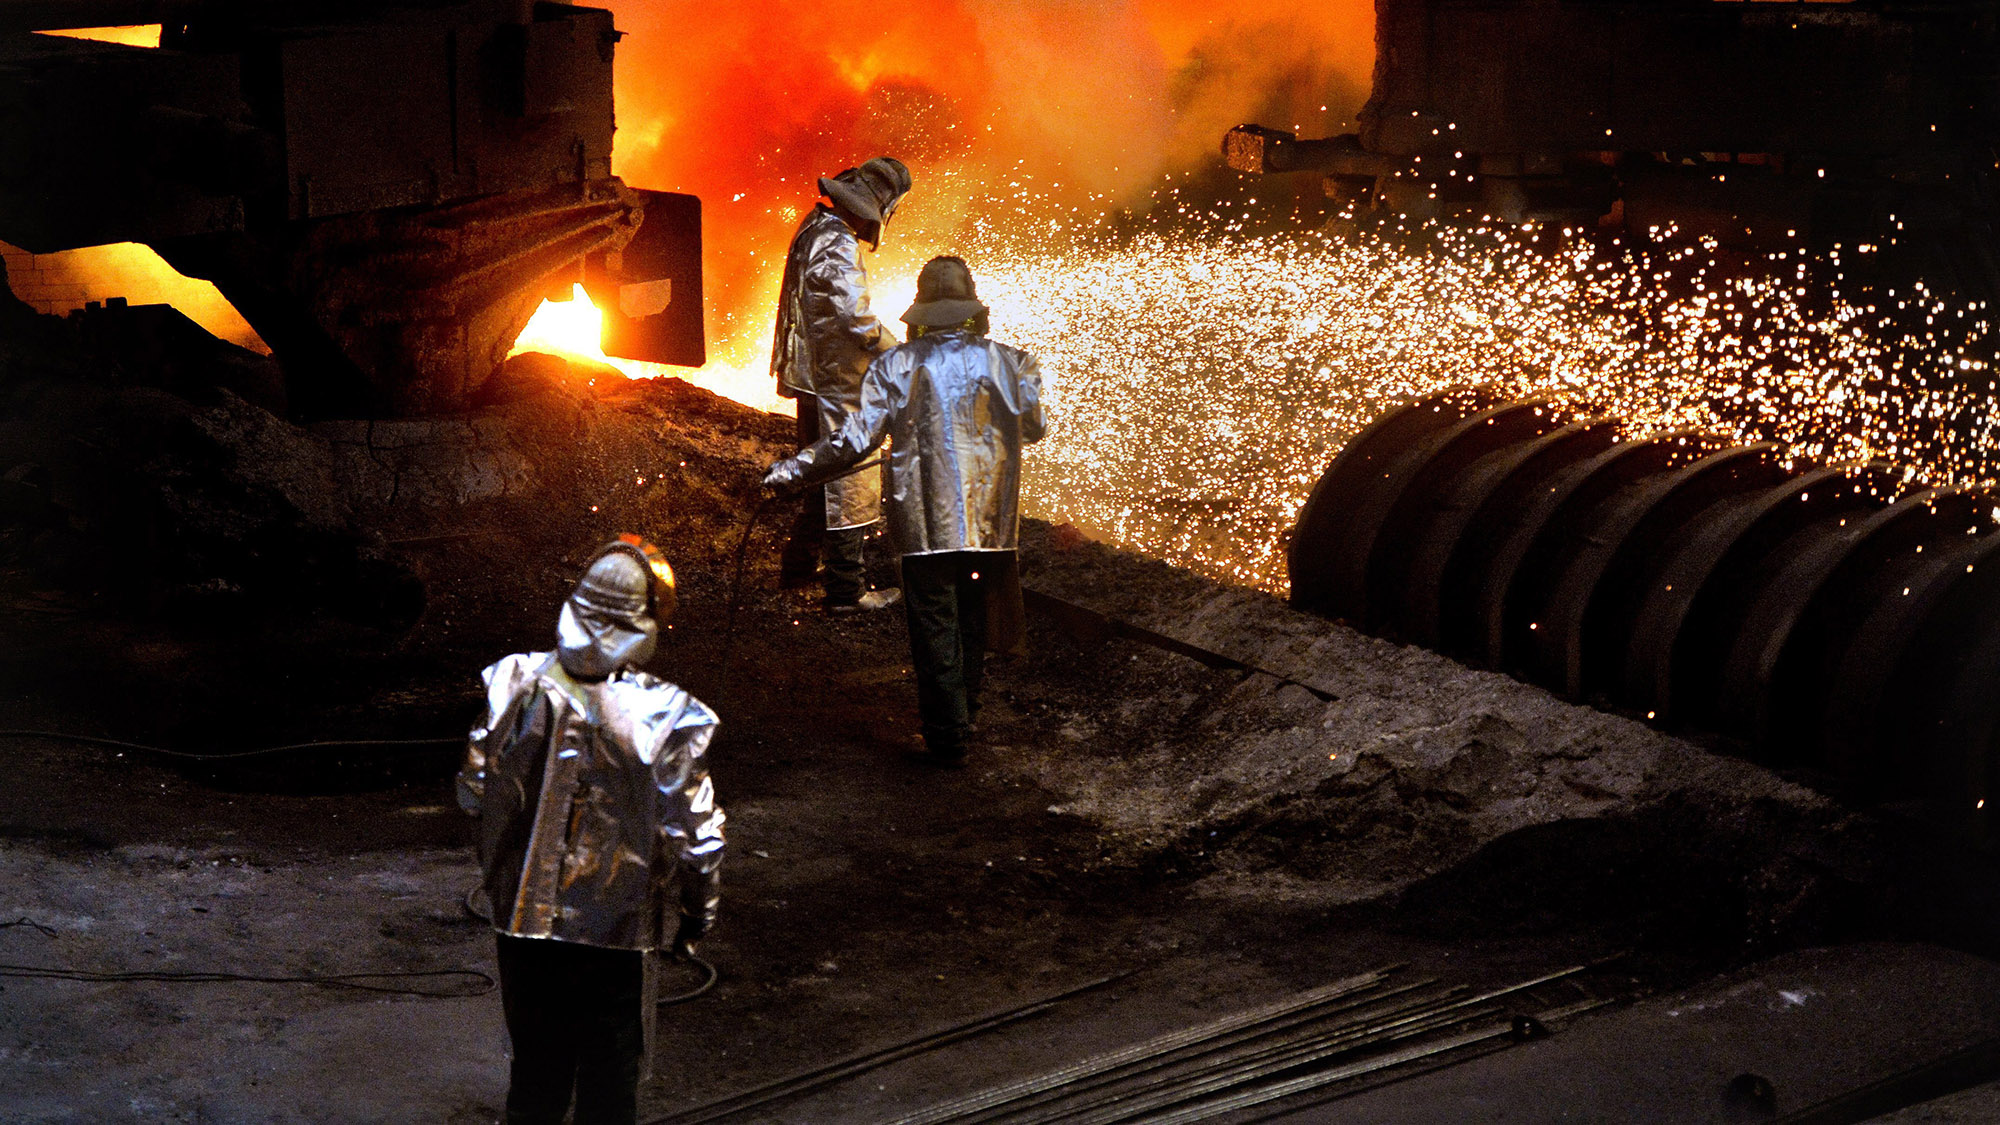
pixel 612 619
pixel 946 297
pixel 870 191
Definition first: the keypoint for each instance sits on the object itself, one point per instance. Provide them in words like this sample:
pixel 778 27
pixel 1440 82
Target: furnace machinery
pixel 385 189
pixel 1872 124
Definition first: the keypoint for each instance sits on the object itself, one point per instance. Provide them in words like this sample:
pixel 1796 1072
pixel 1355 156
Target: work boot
pixel 872 600
pixel 946 747
pixel 921 753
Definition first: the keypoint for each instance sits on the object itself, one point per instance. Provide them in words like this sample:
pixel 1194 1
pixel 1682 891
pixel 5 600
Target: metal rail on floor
pixel 1245 1046
pixel 841 1069
pixel 960 1109
pixel 1267 1055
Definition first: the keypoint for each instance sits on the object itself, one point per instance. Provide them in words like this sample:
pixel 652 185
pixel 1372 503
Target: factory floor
pixel 1360 807
pixel 870 898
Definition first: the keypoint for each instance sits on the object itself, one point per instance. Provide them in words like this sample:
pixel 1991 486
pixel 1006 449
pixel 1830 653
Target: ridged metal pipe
pixel 1821 618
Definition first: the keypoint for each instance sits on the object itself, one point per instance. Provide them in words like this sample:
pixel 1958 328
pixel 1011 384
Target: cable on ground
pixel 226 755
pixel 743 546
pixel 358 981
pixel 700 989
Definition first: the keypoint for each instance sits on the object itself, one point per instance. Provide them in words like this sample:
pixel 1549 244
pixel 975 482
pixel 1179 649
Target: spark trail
pixel 1199 384
pixel 1199 387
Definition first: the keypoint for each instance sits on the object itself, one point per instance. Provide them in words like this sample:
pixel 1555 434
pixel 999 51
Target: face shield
pixel 889 179
pixel 889 207
pixel 612 618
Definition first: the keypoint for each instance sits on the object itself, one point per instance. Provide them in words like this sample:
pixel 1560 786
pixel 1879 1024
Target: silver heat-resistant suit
pixel 827 335
pixel 956 408
pixel 592 796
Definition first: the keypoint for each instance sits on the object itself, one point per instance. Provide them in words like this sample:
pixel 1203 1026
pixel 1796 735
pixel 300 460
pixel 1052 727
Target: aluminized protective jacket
pixel 956 408
pixel 592 798
pixel 827 336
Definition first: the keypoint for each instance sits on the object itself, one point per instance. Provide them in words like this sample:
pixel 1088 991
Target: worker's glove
pixel 783 474
pixel 687 935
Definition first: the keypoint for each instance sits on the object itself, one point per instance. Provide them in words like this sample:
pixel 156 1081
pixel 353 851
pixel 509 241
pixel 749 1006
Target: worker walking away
pixel 956 408
pixel 827 336
pixel 593 798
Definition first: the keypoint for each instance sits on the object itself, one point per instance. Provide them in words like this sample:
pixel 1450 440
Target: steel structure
pixel 385 189
pixel 1759 125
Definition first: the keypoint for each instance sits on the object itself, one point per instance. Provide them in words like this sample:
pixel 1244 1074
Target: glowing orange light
pixel 134 35
pixel 574 330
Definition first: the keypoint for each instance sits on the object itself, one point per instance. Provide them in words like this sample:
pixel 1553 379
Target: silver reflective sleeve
pixel 1034 419
pixel 858 434
pixel 503 693
pixel 690 819
pixel 841 327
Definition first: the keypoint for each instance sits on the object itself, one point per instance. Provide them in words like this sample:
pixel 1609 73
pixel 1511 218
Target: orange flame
pixel 573 329
pixel 746 105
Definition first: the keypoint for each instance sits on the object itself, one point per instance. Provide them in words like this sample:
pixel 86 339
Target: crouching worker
pixel 957 407
pixel 593 799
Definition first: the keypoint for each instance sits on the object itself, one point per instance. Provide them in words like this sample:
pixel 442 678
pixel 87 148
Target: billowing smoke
pixel 1021 107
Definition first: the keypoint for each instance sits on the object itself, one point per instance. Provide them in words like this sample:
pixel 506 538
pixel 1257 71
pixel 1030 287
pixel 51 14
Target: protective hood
pixel 608 623
pixel 945 295
pixel 870 192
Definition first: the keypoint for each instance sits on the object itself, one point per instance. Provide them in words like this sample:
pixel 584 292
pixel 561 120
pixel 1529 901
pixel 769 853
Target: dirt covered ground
pixel 186 571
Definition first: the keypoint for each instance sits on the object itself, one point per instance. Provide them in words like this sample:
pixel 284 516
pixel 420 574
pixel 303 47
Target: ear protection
pixel 661 598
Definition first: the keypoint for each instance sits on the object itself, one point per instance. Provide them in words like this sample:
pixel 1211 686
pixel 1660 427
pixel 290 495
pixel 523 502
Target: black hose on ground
pixel 742 555
pixel 225 755
pixel 362 982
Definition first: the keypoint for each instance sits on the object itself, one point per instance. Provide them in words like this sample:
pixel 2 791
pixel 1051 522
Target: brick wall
pixel 43 282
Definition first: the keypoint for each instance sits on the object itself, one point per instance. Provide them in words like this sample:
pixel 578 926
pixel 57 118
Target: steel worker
pixel 956 407
pixel 827 336
pixel 593 799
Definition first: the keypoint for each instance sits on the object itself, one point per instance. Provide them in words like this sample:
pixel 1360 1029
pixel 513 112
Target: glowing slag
pixel 573 329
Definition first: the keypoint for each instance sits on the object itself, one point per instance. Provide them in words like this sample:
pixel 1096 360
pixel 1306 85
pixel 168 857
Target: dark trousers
pixel 944 596
pixel 573 1014
pixel 810 541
